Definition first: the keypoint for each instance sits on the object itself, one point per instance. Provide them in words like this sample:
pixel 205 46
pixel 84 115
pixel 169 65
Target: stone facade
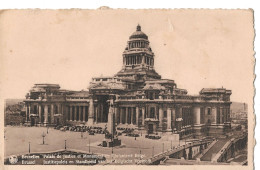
pixel 136 96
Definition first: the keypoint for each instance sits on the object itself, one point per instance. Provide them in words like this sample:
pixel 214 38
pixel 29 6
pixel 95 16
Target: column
pixel 75 113
pixel 70 113
pixel 173 118
pixel 126 115
pixel 121 115
pixel 40 113
pixel 91 112
pixel 143 59
pixel 84 113
pixel 26 113
pixel 80 113
pixel 96 110
pixel 169 119
pixel 132 115
pixel 160 116
pixel 196 115
pixel 137 115
pixel 224 115
pixel 45 114
pixel 143 113
pixel 29 112
pixel 214 114
pixel 101 112
pixel 180 116
pixel 116 115
pixel 52 114
pixel 110 119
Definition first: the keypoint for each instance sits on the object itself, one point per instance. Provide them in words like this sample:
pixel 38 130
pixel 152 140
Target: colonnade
pixel 133 60
pixel 169 117
pixel 78 113
pixel 44 112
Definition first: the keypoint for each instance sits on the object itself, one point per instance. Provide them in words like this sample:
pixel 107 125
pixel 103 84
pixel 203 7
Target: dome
pixel 138 33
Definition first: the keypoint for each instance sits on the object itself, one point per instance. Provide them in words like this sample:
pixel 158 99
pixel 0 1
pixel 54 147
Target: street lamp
pixel 29 147
pixel 89 145
pixel 43 135
pixel 163 147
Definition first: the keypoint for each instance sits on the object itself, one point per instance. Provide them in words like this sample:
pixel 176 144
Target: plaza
pixel 17 141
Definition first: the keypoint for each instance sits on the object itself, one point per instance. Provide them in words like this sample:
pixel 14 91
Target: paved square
pixel 17 142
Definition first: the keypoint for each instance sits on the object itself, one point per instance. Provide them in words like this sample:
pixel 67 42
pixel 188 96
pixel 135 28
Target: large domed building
pixel 134 97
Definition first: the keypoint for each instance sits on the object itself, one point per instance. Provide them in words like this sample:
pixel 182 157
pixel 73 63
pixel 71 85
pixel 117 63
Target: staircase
pixel 214 149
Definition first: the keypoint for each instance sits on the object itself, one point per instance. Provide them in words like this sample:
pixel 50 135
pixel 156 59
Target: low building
pixel 136 96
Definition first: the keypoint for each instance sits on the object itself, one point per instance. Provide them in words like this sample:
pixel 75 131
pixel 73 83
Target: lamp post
pixel 65 144
pixel 29 147
pixel 43 135
pixel 162 147
pixel 112 147
pixel 89 145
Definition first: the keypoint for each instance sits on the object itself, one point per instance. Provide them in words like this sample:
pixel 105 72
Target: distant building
pixel 135 96
pixel 15 114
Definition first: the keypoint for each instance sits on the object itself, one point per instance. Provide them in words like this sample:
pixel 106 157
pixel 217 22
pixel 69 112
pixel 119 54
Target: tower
pixel 138 58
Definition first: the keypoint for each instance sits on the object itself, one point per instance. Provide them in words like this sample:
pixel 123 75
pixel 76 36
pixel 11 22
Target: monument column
pixel 40 113
pixel 116 114
pixel 91 112
pixel 169 119
pixel 45 115
pixel 137 115
pixel 110 121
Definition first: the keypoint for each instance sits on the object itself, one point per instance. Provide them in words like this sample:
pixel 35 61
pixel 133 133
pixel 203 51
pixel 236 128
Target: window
pixel 165 114
pixel 209 111
pixel 152 112
pixel 151 95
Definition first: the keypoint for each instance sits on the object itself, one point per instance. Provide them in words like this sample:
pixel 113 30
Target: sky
pixel 196 48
